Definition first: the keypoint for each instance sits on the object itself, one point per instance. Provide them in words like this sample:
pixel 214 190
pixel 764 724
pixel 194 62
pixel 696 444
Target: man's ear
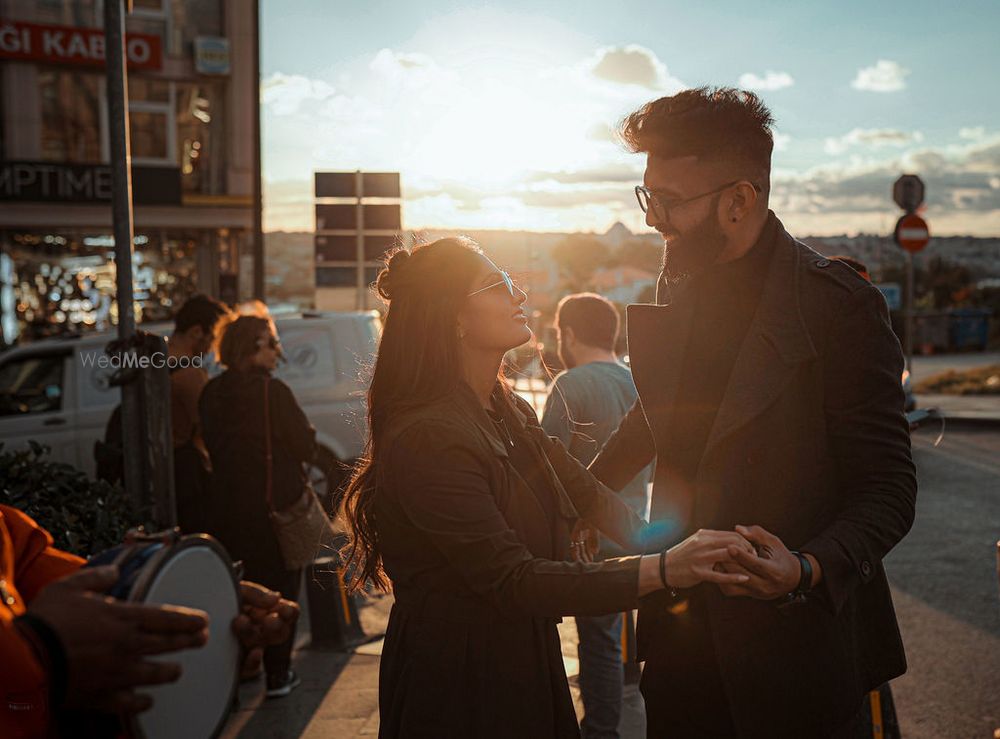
pixel 743 202
pixel 568 337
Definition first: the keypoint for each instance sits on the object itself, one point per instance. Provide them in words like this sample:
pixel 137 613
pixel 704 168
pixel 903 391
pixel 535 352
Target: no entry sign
pixel 912 233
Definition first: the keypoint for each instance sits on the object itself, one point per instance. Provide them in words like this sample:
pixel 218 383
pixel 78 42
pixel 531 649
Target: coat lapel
pixel 776 343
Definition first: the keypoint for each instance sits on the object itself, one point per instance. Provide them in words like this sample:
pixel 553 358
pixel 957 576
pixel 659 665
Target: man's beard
pixel 688 254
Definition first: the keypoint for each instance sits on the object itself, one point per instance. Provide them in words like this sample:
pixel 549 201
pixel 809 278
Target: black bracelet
pixel 805 579
pixel 663 570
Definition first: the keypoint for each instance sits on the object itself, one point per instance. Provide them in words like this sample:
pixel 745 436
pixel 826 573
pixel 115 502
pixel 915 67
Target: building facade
pixel 193 98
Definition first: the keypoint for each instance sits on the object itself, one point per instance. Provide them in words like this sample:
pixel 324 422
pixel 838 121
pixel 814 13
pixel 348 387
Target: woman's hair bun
pixel 393 277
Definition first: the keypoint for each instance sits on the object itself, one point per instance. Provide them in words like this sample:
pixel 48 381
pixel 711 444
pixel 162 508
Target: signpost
pixel 351 234
pixel 911 234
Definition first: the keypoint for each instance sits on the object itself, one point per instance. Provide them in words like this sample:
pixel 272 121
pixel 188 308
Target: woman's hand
pixel 693 561
pixel 584 543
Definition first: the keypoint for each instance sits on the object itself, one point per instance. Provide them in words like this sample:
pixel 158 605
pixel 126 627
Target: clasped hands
pixel 748 562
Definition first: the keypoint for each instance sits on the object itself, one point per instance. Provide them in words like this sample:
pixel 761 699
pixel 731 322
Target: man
pixel 769 393
pixel 585 405
pixel 193 336
pixel 64 645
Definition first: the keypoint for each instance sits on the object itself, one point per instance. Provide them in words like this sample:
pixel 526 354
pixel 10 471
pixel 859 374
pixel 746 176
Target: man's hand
pixel 106 640
pixel 774 571
pixel 265 618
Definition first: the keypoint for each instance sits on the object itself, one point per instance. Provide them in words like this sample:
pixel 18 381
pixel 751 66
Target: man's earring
pixel 461 334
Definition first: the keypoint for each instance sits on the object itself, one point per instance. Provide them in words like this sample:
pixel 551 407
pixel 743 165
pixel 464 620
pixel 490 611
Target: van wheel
pixel 328 476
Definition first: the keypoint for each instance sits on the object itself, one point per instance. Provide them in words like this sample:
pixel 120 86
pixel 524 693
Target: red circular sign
pixel 912 233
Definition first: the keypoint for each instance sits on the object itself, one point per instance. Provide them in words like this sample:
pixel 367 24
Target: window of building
pixel 191 19
pixel 152 126
pixel 31 385
pixel 201 151
pixel 71 125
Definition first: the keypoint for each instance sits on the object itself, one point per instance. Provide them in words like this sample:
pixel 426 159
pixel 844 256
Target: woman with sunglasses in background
pixel 465 507
pixel 244 412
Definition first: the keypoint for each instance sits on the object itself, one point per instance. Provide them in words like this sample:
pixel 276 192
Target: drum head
pixel 196 573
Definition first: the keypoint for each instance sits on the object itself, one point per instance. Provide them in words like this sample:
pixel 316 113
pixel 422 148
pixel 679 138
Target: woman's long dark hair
pixel 418 361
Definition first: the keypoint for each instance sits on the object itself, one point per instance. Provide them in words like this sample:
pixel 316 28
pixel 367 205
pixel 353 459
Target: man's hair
pixel 593 318
pixel 718 124
pixel 200 310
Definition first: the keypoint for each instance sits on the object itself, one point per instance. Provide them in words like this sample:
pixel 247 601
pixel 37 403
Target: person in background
pixel 585 405
pixel 244 412
pixel 195 328
pixel 193 336
pixel 64 645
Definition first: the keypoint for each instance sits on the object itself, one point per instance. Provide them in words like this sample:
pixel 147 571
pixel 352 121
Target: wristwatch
pixel 805 580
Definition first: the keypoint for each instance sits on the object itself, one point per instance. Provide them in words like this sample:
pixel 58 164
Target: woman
pixel 238 428
pixel 467 507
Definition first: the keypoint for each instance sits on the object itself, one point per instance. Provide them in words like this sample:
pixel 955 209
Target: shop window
pixel 148 136
pixel 31 384
pixel 71 116
pixel 200 146
pixel 151 121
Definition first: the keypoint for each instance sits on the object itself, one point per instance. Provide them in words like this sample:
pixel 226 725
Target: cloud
pixel 770 81
pixel 973 134
pixel 632 65
pixel 284 94
pixel 617 173
pixel 885 76
pixel 781 140
pixel 871 137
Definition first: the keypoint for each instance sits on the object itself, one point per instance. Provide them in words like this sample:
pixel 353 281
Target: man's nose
pixel 652 220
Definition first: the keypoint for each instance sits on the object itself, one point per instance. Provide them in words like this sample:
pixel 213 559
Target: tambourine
pixel 194 571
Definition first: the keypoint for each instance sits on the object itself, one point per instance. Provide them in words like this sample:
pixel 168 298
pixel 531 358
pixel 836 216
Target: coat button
pixel 823 263
pixel 866 568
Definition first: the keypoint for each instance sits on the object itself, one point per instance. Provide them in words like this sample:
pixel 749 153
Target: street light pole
pixel 121 215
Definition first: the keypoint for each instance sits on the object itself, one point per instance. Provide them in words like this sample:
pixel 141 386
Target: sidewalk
pixel 338 697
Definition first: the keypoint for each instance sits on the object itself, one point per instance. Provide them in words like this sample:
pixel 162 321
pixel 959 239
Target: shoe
pixel 279 688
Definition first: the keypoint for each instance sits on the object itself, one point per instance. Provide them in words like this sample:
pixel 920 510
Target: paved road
pixel 945 589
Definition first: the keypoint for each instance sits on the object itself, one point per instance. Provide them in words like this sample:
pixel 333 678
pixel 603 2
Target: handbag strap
pixel 268 459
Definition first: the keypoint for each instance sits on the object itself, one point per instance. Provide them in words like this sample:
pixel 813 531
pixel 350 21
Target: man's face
pixel 692 232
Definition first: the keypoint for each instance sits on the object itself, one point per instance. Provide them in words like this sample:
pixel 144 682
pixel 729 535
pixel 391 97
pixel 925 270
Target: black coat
pixel 232 422
pixel 810 443
pixel 480 577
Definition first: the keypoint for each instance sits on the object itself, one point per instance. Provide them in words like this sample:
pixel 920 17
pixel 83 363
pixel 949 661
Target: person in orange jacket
pixel 63 644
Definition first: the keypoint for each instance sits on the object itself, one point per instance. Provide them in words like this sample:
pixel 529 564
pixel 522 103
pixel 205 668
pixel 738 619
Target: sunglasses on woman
pixel 504 280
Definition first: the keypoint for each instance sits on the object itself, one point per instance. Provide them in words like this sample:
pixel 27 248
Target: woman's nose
pixel 519 296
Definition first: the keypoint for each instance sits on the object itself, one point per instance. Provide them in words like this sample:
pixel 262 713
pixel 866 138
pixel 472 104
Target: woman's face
pixel 493 317
pixel 268 351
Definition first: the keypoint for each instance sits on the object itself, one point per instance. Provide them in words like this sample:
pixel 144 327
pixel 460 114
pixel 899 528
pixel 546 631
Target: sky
pixel 501 115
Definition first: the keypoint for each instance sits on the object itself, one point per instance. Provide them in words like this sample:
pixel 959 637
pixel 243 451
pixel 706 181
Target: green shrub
pixel 84 516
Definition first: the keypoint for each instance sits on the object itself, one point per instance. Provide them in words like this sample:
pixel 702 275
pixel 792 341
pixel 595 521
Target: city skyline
pixel 501 116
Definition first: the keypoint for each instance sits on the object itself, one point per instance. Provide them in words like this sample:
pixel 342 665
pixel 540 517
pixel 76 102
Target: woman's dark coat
pixel 232 422
pixel 479 577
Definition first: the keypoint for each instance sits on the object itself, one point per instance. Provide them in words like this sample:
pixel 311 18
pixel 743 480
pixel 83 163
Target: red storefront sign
pixel 69 45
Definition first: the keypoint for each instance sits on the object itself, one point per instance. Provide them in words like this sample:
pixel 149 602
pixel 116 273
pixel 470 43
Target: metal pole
pixel 121 216
pixel 362 299
pixel 909 312
pixel 258 197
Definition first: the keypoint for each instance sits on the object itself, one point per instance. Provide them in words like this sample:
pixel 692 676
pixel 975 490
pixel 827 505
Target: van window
pixel 93 384
pixel 31 384
pixel 309 359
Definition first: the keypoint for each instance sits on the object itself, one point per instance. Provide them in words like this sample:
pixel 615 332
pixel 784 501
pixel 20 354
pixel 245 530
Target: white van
pixel 54 392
